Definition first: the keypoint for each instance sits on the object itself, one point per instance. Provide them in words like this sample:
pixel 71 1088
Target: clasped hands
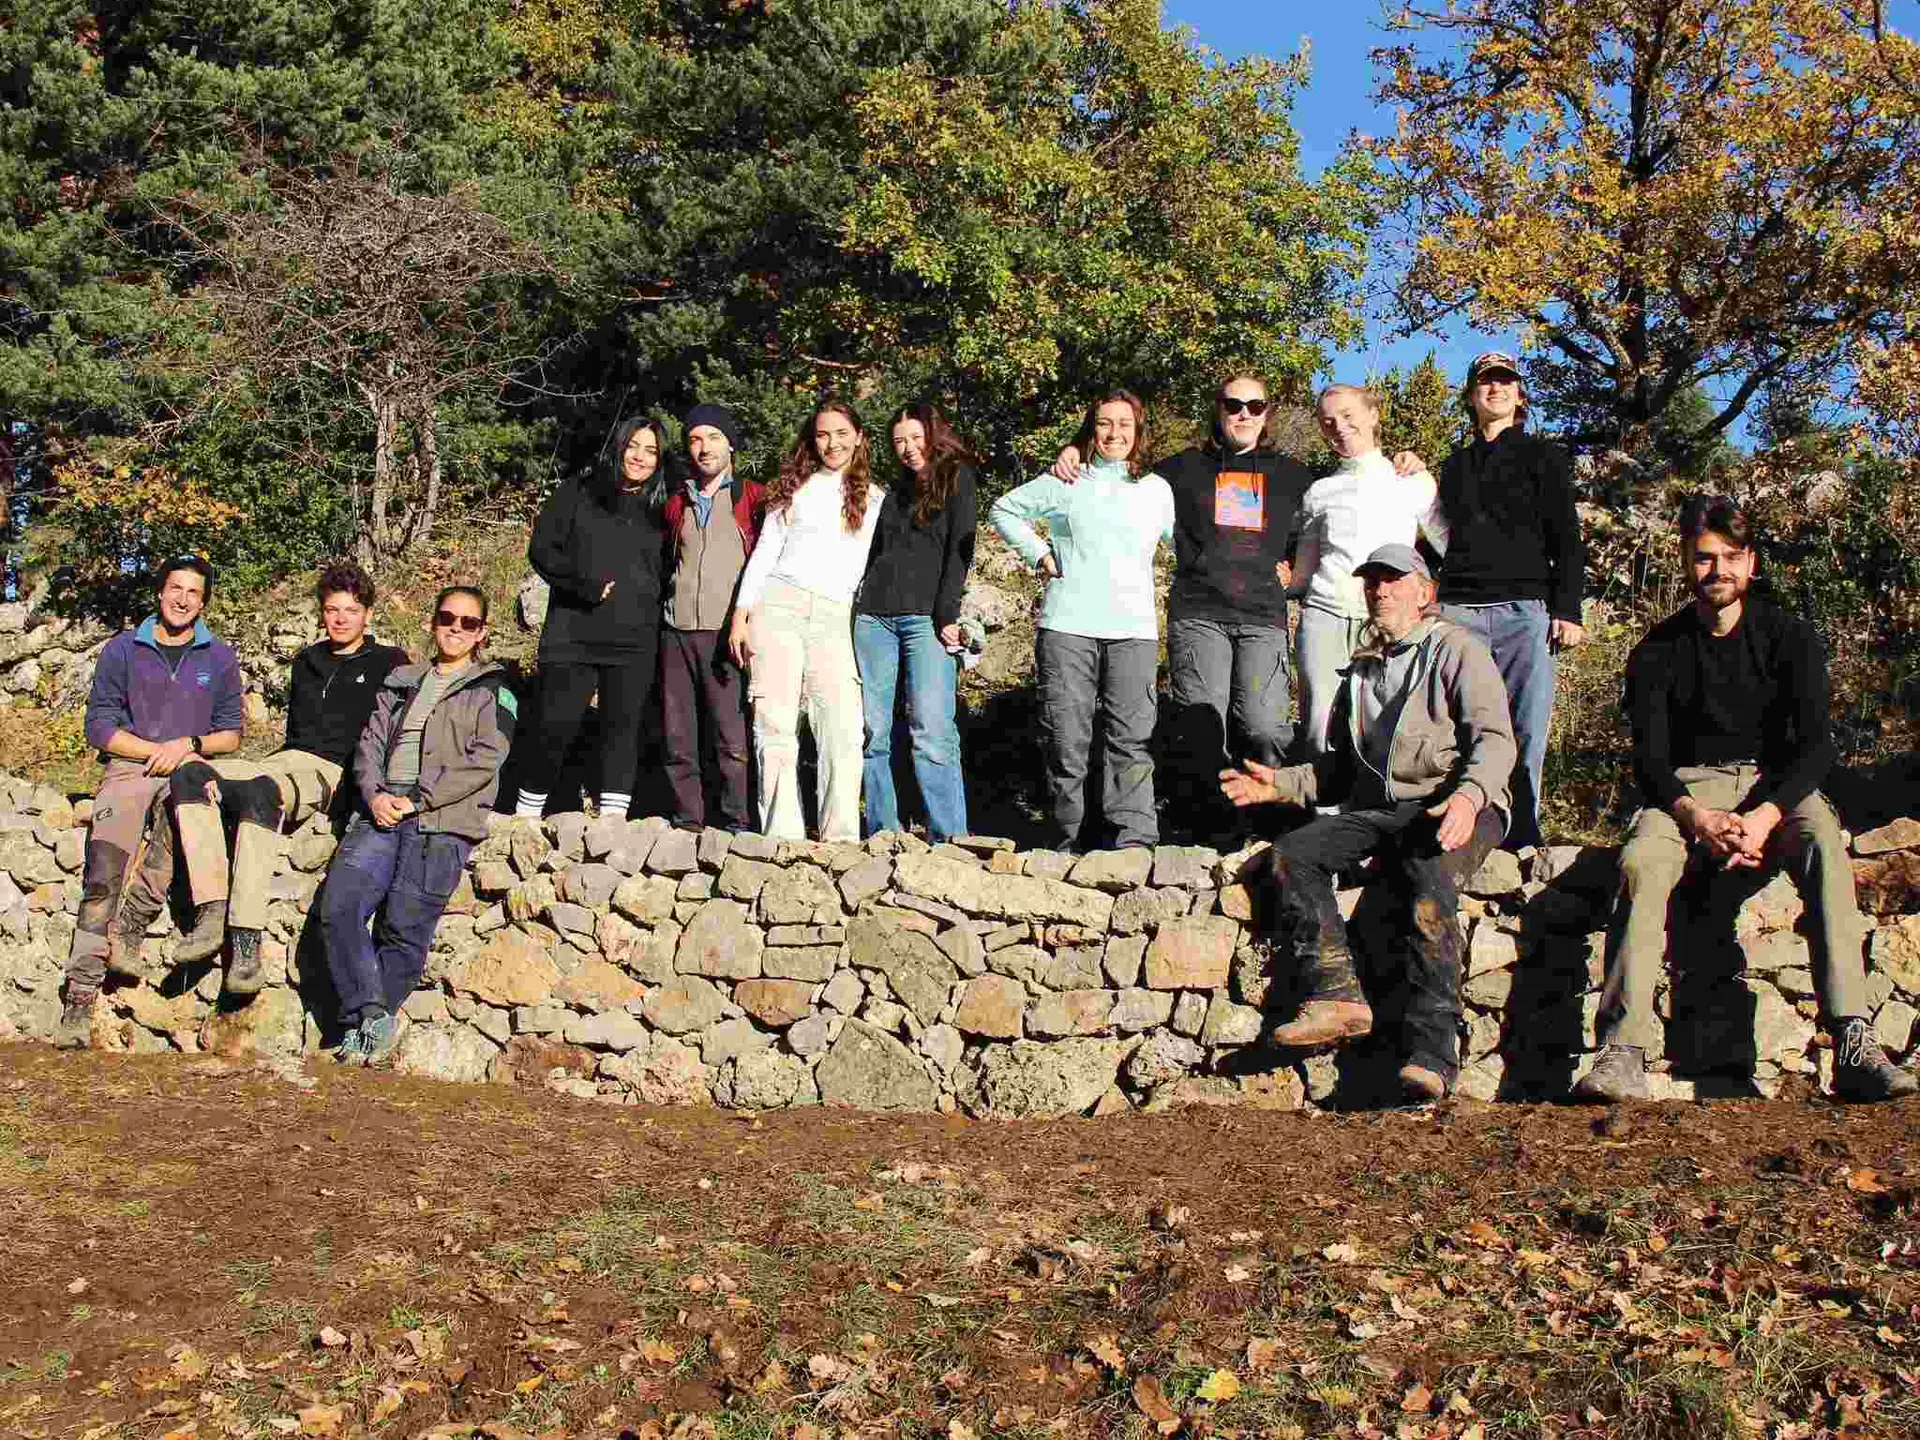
pixel 390 810
pixel 1252 783
pixel 1739 841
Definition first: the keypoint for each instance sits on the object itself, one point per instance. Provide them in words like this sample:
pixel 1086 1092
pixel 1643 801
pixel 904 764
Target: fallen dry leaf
pixel 387 1405
pixel 1152 1401
pixel 1865 1182
pixel 1106 1350
pixel 321 1419
pixel 1263 1354
pixel 1342 1254
pixel 331 1338
pixel 1418 1399
pixel 658 1352
pixel 1221 1385
pixel 1237 1273
pixel 978 1257
pixel 958 1431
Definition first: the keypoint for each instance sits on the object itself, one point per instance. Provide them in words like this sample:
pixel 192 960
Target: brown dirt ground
pixel 190 1249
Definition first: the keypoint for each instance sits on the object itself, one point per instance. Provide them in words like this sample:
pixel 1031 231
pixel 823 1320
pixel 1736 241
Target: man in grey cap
pixel 1420 748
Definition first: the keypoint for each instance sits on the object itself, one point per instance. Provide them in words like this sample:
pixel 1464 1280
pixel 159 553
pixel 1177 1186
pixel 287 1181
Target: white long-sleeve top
pixel 808 545
pixel 1351 513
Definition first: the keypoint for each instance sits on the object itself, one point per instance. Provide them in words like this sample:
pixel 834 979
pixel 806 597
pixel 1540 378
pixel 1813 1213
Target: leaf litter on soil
pixel 257 1262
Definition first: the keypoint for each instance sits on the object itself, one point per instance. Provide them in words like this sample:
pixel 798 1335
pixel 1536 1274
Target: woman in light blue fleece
pixel 1099 639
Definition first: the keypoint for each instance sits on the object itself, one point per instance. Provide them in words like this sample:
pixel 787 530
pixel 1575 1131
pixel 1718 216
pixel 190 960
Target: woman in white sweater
pixel 1345 517
pixel 793 623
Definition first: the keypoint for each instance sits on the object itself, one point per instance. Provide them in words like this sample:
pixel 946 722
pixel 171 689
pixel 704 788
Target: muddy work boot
pixel 1619 1074
pixel 75 1031
pixel 1337 1008
pixel 1862 1073
pixel 245 974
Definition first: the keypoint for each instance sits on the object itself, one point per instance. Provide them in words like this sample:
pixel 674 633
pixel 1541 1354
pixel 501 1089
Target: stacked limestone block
pixel 632 963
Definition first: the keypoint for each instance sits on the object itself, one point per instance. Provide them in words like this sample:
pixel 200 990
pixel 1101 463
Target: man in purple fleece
pixel 162 693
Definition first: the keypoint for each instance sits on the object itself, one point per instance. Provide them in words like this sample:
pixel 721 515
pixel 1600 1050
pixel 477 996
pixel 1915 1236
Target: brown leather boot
pixel 1323 1021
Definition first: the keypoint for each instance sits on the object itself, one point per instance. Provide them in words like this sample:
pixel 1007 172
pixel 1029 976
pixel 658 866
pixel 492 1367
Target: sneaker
pixel 352 1049
pixel 1862 1072
pixel 381 1038
pixel 1422 1084
pixel 207 934
pixel 75 1031
pixel 245 974
pixel 1619 1074
pixel 1322 1021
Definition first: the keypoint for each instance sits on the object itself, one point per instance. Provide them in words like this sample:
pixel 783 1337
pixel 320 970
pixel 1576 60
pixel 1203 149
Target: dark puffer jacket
pixel 579 544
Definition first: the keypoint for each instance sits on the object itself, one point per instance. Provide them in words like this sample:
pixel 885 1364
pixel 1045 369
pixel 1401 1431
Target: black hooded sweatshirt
pixel 1235 517
pixel 579 544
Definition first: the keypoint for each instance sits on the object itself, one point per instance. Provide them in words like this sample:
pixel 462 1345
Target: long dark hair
pixel 804 459
pixel 947 455
pixel 1084 441
pixel 608 478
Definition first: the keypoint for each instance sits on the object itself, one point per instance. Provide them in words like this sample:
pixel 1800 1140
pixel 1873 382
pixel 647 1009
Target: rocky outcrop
pixel 631 963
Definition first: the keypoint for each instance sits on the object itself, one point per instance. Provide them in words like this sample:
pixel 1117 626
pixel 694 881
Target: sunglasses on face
pixel 1233 405
pixel 447 620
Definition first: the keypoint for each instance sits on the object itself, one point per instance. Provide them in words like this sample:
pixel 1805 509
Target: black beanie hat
pixel 720 418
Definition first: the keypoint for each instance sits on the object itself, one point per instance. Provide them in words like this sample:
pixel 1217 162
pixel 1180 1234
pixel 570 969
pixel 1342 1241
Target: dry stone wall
pixel 628 962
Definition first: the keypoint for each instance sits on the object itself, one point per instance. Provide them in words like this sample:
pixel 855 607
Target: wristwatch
pixel 199 744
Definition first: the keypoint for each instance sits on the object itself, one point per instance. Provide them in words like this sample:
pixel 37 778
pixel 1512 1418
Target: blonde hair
pixel 1365 392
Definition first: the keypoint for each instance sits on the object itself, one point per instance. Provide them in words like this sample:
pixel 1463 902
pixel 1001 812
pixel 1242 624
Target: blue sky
pixel 1341 33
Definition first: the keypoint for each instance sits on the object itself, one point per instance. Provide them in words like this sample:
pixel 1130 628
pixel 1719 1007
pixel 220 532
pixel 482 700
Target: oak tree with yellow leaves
pixel 1668 196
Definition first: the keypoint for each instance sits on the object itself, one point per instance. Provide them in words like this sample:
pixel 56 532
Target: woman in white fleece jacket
pixel 1345 517
pixel 793 623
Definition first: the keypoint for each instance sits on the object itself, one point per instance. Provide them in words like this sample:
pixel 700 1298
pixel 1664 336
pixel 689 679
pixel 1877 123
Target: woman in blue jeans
pixel 428 768
pixel 908 618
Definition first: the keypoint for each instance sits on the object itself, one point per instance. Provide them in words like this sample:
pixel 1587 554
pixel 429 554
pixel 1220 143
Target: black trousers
pixel 704 696
pixel 1425 884
pixel 625 687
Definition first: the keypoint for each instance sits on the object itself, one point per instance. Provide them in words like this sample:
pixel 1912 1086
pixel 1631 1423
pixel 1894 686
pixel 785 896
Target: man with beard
pixel 1728 704
pixel 1419 750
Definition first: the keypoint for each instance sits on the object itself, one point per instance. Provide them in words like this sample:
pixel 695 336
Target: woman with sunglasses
pixel 1098 646
pixel 1236 504
pixel 428 767
pixel 793 623
pixel 601 544
pixel 1364 504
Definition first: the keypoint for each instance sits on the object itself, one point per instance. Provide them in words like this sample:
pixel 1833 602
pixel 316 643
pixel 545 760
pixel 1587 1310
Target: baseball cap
pixel 1491 360
pixel 1401 559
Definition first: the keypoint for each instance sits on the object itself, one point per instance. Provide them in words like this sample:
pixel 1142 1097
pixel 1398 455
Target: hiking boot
pixel 1619 1074
pixel 207 935
pixel 245 975
pixel 1421 1084
pixel 1322 1021
pixel 75 1031
pixel 381 1038
pixel 1862 1073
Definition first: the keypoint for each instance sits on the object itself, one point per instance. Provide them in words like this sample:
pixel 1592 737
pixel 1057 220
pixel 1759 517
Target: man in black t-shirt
pixel 1728 704
pixel 334 686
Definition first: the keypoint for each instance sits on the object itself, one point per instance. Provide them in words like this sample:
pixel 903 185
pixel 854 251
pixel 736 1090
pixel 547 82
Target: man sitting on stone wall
pixel 1420 750
pixel 1728 703
pixel 335 683
pixel 162 694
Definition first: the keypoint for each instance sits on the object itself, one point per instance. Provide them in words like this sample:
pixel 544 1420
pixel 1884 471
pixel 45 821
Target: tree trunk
pixel 378 530
pixel 427 459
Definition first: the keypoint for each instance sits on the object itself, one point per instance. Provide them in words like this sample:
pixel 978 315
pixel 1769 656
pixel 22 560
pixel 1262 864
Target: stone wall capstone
pixel 631 963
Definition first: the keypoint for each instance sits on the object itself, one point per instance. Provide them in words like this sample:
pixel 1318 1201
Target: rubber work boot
pixel 75 1031
pixel 1420 1083
pixel 1337 1009
pixel 1861 1071
pixel 205 937
pixel 1619 1074
pixel 245 976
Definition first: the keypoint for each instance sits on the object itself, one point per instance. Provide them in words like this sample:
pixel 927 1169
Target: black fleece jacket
pixel 917 570
pixel 578 546
pixel 331 697
pixel 1228 533
pixel 1778 716
pixel 1514 534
